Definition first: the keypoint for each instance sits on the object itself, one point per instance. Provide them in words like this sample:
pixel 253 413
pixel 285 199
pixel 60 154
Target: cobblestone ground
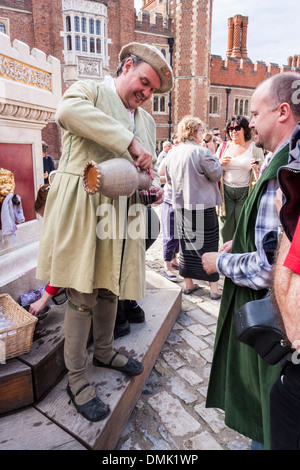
pixel 171 414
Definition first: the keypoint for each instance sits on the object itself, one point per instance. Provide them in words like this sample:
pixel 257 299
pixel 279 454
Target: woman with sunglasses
pixel 241 161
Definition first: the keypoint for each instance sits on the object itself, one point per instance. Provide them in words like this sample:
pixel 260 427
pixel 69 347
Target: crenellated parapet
pixel 30 89
pixel 30 82
pixel 237 69
pixel 242 72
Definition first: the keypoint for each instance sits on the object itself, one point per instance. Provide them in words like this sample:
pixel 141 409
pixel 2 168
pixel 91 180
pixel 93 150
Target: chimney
pixel 237 37
pixel 230 37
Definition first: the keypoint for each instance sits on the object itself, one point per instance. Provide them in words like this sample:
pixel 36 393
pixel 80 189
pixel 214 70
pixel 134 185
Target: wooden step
pixel 162 305
pixel 30 430
pixel 16 390
pixel 26 378
pixel 46 358
pixel 53 423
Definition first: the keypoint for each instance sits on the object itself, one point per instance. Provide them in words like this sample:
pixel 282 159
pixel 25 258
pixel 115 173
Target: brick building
pixel 86 36
pixel 234 79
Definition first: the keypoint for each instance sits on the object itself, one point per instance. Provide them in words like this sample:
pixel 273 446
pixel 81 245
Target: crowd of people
pixel 219 216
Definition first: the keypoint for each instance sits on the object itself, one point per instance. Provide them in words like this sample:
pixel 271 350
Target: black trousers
pixel 152 227
pixel 285 409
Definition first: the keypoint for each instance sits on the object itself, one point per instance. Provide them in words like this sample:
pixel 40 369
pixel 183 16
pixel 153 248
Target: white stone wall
pixel 30 89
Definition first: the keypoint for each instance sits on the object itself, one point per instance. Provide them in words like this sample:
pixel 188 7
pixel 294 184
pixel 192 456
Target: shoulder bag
pixel 257 325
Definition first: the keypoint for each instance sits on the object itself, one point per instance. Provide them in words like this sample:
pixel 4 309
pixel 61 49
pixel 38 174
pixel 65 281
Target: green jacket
pixel 240 380
pixel 71 254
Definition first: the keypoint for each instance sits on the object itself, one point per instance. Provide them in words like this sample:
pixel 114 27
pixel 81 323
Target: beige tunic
pixel 71 254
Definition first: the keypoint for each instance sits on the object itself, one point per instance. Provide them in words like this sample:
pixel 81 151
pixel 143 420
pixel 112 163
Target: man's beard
pixel 258 142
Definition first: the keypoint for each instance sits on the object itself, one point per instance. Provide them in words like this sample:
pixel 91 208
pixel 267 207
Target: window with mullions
pixel 241 106
pixel 68 23
pixel 98 28
pixel 87 37
pixel 92 45
pixel 83 25
pixel 92 26
pixel 69 43
pixel 84 44
pixel 77 24
pixel 213 104
pixel 98 46
pixel 159 104
pixel 77 43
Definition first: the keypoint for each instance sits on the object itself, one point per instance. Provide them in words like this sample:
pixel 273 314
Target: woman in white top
pixel 241 161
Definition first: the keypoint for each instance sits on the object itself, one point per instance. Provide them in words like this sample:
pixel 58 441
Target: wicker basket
pixel 19 336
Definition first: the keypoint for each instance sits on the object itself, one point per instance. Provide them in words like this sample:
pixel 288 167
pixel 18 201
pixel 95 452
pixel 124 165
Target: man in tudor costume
pixel 101 121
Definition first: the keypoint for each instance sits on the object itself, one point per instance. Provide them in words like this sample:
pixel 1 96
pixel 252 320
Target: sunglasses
pixel 236 128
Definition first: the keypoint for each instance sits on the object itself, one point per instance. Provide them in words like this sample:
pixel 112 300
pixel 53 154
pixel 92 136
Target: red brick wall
pixel 37 23
pixel 144 33
pixel 20 25
pixel 242 73
pixel 41 28
pixel 121 15
pixel 242 77
pixel 47 24
pixel 192 86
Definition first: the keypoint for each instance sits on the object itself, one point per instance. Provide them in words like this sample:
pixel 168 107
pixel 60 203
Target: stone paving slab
pixel 170 414
pixel 121 393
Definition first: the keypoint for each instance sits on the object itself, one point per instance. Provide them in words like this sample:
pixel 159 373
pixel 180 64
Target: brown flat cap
pixel 155 59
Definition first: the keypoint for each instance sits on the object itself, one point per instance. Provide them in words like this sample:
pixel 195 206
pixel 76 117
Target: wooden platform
pixel 25 379
pixel 50 417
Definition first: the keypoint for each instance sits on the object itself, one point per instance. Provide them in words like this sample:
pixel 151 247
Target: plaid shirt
pixel 253 269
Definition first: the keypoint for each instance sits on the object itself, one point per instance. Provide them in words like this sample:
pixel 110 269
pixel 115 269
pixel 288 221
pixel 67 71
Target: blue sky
pixel 273 30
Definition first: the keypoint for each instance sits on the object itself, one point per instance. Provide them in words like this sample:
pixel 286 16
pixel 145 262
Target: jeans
pixel 257 446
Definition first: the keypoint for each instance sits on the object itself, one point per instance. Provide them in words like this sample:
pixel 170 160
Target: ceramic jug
pixel 114 178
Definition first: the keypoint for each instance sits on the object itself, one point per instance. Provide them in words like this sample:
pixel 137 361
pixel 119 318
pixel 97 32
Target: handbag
pixel 258 326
